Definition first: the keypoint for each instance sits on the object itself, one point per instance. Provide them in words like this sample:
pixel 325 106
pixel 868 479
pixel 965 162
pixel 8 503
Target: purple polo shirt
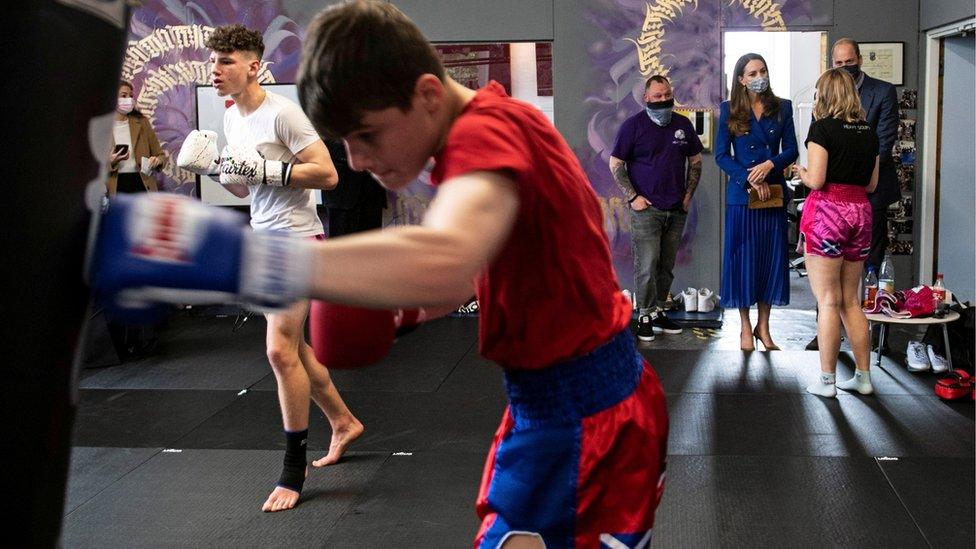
pixel 657 157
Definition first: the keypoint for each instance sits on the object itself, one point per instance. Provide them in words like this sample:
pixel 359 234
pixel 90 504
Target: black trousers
pixel 130 182
pixel 354 220
pixel 879 238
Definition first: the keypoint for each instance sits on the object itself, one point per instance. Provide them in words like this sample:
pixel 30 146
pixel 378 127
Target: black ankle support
pixel 293 468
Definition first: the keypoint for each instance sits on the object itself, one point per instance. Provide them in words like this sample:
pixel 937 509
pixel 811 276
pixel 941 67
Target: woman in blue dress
pixel 754 145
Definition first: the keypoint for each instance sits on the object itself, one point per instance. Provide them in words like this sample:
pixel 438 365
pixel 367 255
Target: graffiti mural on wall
pixel 676 38
pixel 166 59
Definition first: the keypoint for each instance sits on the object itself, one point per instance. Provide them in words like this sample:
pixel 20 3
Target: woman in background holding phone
pixel 133 140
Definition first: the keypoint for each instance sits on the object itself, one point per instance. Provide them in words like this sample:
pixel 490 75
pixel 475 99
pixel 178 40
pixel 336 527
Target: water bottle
pixel 870 288
pixel 886 278
pixel 939 290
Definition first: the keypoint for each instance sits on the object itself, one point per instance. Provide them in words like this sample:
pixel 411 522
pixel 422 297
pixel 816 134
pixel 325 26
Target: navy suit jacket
pixel 880 103
pixel 768 139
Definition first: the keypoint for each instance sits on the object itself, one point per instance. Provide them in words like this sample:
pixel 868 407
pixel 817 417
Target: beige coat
pixel 144 143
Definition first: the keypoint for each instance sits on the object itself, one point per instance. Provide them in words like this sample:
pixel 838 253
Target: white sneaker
pixel 916 357
pixel 706 301
pixel 690 299
pixel 939 364
pixel 630 296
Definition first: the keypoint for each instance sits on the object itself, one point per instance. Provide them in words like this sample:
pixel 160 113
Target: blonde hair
pixel 837 97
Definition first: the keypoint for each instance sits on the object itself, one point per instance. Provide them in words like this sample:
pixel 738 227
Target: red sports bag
pixel 955 385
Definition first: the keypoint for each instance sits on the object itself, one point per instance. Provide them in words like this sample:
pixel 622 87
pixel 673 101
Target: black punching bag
pixel 61 62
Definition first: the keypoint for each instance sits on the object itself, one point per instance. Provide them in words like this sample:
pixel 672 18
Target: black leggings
pixel 130 182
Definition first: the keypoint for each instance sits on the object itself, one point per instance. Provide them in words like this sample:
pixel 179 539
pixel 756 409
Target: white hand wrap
pixel 243 166
pixel 276 269
pixel 199 153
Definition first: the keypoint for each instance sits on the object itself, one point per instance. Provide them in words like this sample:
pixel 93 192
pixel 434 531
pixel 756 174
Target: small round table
pixel 885 320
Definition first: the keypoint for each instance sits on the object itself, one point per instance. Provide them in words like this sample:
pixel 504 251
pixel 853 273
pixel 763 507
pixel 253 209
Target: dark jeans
pixel 656 237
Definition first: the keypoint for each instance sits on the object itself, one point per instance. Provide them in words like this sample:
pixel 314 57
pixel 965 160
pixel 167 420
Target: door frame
pixel 928 174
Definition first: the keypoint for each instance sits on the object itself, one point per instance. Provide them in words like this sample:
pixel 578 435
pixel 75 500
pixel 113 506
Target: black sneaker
pixel 645 330
pixel 662 323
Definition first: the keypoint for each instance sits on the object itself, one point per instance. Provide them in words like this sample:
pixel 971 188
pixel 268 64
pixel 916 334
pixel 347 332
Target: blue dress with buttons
pixel 755 256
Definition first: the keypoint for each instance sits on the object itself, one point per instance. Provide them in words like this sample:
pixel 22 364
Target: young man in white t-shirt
pixel 274 154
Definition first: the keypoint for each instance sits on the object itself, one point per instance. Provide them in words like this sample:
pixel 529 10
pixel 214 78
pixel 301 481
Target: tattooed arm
pixel 619 170
pixel 694 176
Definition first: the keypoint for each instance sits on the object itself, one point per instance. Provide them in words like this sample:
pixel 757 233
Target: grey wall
pixel 935 13
pixel 957 193
pixel 880 21
pixel 460 20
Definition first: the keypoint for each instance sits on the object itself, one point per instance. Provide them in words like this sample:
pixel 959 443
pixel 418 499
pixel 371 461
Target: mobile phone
pixel 121 149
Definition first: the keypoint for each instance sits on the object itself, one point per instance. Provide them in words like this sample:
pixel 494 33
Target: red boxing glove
pixel 344 337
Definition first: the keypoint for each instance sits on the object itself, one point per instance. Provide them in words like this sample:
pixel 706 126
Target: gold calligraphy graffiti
pixel 767 11
pixel 652 34
pixel 661 12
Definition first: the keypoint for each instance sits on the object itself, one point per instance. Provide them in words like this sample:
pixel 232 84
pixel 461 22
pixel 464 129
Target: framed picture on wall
pixel 884 61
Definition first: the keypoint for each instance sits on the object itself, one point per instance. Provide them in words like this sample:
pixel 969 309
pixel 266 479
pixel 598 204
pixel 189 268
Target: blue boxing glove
pixel 162 248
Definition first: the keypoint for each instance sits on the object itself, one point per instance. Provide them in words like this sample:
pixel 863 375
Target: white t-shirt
pixel 124 137
pixel 278 129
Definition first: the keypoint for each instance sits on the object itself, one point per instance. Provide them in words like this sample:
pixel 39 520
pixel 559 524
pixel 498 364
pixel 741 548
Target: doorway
pixel 944 190
pixel 954 174
pixel 795 60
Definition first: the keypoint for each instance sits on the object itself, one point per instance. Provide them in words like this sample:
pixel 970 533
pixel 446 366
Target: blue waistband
pixel 576 388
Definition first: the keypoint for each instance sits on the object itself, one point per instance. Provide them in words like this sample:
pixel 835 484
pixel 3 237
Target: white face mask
pixel 758 84
pixel 125 105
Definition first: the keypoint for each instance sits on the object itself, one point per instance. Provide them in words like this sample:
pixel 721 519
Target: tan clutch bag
pixel 775 199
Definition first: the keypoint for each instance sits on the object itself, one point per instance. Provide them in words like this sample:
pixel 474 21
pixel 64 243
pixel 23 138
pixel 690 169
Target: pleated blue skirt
pixel 755 260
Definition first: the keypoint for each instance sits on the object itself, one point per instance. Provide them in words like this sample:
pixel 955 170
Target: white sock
pixel 861 382
pixel 825 386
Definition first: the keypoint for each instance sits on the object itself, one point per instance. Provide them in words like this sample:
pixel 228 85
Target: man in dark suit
pixel 357 202
pixel 880 103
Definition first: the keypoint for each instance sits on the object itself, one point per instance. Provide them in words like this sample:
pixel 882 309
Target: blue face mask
pixel 758 84
pixel 660 111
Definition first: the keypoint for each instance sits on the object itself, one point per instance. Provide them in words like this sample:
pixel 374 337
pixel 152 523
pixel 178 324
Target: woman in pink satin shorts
pixel 842 156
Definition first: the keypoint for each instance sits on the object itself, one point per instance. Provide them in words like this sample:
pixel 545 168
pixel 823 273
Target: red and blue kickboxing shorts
pixel 580 454
pixel 836 222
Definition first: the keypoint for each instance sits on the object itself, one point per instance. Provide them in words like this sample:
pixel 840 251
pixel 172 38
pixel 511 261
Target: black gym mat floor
pixel 181 448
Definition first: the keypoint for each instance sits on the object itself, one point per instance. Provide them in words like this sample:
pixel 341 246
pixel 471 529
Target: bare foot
pixel 282 499
pixel 342 437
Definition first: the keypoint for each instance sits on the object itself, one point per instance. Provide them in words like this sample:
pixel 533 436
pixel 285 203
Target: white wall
pixel 524 78
pixel 805 69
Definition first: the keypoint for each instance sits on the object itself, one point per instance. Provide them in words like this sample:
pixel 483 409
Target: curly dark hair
pixel 231 38
pixel 361 56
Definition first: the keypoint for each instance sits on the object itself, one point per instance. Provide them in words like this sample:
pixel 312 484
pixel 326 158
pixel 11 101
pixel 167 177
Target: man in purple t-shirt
pixel 657 163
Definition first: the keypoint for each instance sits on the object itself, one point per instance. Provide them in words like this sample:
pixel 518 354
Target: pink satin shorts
pixel 836 222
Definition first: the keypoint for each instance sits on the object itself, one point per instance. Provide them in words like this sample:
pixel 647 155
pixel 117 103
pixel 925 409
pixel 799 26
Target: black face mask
pixel 853 70
pixel 666 104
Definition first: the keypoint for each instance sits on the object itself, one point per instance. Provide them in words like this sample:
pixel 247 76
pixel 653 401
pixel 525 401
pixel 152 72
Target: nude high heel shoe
pixel 766 346
pixel 747 347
